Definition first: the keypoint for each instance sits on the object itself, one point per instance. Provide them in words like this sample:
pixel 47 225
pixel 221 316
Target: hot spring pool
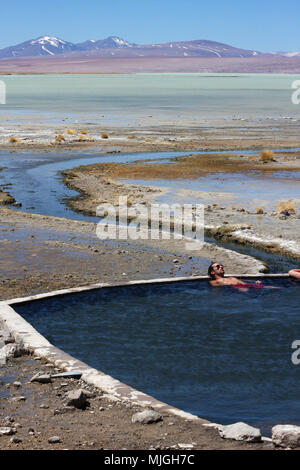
pixel 221 354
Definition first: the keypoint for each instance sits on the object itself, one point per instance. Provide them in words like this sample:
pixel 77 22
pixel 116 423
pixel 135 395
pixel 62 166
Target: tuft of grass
pixel 267 156
pixel 14 140
pixel 60 138
pixel 70 131
pixel 104 135
pixel 259 210
pixel 131 136
pixel 83 132
pixel 286 208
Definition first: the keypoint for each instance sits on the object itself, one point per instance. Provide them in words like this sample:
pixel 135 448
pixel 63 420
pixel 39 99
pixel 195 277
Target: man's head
pixel 215 269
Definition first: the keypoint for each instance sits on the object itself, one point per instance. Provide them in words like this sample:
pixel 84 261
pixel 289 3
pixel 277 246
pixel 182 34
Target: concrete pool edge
pixel 37 345
pixel 100 285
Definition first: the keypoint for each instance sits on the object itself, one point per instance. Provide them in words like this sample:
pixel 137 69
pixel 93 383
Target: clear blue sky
pixel 266 25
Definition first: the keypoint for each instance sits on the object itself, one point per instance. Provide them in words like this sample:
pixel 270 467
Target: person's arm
pixel 295 273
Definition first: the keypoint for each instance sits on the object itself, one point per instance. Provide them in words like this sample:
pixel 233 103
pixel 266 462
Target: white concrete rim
pixel 101 285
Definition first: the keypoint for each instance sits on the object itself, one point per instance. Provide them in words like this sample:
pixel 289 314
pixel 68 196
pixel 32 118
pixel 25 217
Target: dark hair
pixel 210 270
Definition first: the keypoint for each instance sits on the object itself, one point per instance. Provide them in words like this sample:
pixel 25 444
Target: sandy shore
pixel 146 133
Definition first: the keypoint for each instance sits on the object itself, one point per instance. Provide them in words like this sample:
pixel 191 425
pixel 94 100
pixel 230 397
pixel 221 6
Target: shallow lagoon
pixel 126 98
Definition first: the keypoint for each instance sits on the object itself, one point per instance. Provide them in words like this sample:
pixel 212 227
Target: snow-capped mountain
pixel 116 46
pixel 42 46
pixel 111 42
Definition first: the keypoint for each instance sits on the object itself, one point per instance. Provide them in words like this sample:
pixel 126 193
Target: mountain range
pixel 114 46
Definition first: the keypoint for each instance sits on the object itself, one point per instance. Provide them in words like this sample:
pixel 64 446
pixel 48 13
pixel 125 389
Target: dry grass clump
pixel 226 230
pixel 259 210
pixel 83 132
pixel 104 135
pixel 70 131
pixel 14 140
pixel 267 156
pixel 286 208
pixel 131 136
pixel 60 138
pixel 82 138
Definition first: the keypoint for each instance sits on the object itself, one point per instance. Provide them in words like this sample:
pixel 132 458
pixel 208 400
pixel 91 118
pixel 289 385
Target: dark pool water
pixel 222 354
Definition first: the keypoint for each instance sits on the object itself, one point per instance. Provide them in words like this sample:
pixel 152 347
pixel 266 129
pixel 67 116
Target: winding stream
pixel 35 180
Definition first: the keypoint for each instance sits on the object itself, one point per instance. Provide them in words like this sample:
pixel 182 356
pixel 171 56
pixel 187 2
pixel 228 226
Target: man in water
pixel 295 273
pixel 217 278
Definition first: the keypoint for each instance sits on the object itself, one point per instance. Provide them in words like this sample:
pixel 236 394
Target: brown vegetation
pixel 191 166
pixel 60 138
pixel 259 210
pixel 286 207
pixel 267 156
pixel 14 140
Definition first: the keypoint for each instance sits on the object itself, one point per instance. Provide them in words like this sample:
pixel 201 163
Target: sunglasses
pixel 218 266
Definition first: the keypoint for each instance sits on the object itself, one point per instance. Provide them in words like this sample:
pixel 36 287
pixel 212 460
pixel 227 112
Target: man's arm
pixel 295 273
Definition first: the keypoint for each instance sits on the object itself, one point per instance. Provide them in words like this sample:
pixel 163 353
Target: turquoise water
pixel 219 353
pixel 121 97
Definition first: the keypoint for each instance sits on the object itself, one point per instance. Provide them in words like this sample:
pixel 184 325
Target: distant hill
pixel 49 46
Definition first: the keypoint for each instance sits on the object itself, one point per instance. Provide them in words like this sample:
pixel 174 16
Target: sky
pixel 264 25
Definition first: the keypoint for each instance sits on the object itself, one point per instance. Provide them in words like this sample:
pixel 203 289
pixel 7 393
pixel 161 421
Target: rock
pixel 18 399
pixel 6 337
pixel 77 398
pixel 16 440
pixel 240 432
pixel 286 435
pixel 185 446
pixel 17 384
pixel 41 378
pixel 146 417
pixel 10 350
pixel 54 440
pixel 65 409
pixel 5 431
pixel 89 394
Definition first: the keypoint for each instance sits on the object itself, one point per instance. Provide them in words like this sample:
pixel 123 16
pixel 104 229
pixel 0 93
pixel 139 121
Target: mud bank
pixel 276 231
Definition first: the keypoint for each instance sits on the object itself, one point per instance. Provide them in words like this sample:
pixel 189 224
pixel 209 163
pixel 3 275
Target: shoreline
pixel 84 65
